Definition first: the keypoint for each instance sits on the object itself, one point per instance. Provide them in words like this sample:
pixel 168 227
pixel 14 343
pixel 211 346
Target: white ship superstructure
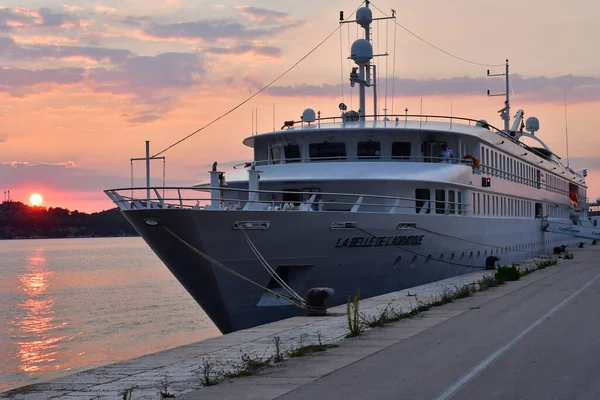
pixel 357 201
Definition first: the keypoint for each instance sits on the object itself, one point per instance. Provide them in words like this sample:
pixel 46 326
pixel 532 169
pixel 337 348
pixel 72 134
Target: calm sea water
pixel 72 304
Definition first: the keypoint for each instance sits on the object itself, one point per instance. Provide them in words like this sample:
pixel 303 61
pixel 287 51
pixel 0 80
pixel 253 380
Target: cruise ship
pixel 359 201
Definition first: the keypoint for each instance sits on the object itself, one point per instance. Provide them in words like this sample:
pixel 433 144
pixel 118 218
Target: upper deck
pixel 436 123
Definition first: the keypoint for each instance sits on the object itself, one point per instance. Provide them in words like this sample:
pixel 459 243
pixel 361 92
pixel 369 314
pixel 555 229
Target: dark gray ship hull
pixel 377 257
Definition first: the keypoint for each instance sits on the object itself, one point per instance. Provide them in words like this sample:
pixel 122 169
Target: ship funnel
pixel 361 52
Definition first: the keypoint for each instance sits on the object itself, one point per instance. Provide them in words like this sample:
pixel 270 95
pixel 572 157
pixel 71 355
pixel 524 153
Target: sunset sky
pixel 84 83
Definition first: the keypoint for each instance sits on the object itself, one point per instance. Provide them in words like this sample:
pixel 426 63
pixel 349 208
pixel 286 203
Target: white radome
pixel 364 16
pixel 361 51
pixel 309 115
pixel 532 125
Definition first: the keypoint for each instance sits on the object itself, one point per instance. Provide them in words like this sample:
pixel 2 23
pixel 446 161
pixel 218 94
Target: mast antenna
pixel 505 112
pixel 566 128
pixel 361 53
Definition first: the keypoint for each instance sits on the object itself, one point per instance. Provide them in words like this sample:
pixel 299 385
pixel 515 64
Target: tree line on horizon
pixel 20 221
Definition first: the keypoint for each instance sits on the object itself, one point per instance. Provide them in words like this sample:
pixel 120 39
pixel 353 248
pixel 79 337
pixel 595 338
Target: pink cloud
pixel 262 14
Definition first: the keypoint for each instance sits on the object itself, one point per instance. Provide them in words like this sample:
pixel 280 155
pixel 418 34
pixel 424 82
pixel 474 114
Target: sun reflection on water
pixel 36 327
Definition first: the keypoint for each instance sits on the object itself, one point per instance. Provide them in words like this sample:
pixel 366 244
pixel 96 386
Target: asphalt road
pixel 540 342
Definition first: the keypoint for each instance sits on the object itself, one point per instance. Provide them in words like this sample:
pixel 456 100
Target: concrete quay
pixel 422 357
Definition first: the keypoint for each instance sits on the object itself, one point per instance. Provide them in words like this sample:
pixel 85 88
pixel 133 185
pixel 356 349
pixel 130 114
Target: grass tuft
pixel 507 273
pixel 126 394
pixel 278 357
pixel 208 373
pixel 248 365
pixel 164 389
pixel 353 315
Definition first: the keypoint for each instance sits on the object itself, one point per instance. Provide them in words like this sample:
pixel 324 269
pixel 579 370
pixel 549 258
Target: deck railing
pixel 391 121
pixel 427 159
pixel 231 199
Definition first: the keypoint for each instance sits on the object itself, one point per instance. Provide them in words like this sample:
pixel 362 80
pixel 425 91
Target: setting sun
pixel 35 199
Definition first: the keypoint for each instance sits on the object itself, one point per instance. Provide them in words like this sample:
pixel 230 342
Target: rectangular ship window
pixel 423 197
pixel 292 153
pixel 401 150
pixel 451 202
pixel 275 154
pixel 369 149
pixel 327 151
pixel 440 201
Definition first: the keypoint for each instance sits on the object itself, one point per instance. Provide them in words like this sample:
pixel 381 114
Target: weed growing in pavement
pixel 248 365
pixel 209 376
pixel 353 315
pixel 278 356
pixel 164 389
pixel 507 273
pixel 126 394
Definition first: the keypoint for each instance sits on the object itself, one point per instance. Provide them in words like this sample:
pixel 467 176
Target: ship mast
pixel 361 53
pixel 505 112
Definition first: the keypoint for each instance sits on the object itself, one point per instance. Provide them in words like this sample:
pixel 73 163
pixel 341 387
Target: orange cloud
pixel 43 40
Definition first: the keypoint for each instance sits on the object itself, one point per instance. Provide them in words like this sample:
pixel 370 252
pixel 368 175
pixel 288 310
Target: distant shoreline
pixel 20 221
pixel 69 237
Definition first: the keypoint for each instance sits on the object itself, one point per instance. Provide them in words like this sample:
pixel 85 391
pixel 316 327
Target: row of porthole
pixel 518 247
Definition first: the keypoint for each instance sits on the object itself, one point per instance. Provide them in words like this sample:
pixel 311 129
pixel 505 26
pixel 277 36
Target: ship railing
pixel 486 169
pixel 391 121
pixel 223 198
pixel 426 159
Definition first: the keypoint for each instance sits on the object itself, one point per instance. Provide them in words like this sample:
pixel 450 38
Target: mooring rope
pixel 232 272
pixel 269 269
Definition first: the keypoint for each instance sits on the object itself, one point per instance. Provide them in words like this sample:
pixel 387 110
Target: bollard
pixel 315 300
pixel 559 249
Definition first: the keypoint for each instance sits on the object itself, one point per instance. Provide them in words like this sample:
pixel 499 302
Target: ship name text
pixel 379 241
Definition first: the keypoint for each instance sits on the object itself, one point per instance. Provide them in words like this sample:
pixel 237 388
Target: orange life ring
pixel 474 161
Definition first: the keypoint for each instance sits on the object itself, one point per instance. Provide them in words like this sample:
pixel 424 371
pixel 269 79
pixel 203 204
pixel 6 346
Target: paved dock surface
pixel 537 338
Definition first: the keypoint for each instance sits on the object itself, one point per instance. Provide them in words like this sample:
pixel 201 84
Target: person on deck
pixel 446 154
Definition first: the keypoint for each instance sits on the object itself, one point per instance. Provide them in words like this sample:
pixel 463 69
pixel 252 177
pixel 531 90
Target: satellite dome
pixel 532 125
pixel 598 200
pixel 309 115
pixel 364 16
pixel 361 51
pixel 483 123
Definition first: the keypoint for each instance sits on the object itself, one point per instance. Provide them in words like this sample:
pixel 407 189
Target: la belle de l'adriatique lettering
pixel 380 241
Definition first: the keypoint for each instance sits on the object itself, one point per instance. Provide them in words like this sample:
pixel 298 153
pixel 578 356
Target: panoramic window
pixel 369 149
pixel 400 149
pixel 276 154
pixel 422 196
pixel 292 153
pixel 440 201
pixel 327 151
pixel 451 202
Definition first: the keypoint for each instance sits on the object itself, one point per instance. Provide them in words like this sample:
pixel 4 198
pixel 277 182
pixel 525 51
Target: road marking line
pixel 451 391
